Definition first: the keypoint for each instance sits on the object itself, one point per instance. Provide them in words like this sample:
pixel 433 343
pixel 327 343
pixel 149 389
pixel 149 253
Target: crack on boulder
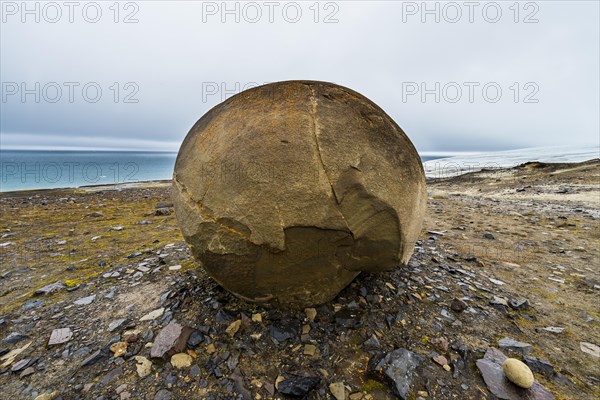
pixel 373 224
pixel 315 131
pixel 199 206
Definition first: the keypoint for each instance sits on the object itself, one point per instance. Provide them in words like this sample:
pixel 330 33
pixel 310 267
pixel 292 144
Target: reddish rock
pixel 170 340
pixel 440 343
pixel 440 360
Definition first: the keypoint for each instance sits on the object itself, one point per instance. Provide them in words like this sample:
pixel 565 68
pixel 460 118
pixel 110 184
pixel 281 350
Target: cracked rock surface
pixel 287 191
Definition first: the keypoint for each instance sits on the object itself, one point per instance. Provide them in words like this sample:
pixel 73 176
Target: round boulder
pixel 287 191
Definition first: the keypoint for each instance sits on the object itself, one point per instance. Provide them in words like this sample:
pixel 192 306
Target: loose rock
pixel 519 304
pixel 311 313
pixel 181 360
pixel 298 386
pixel 518 373
pixel 60 336
pixel 51 288
pixel 458 305
pixel 119 349
pixel 397 368
pixel 540 365
pixel 590 349
pixel 441 360
pixel 143 366
pixel 163 394
pixel 14 337
pixel 338 390
pixel 22 364
pixel 233 327
pixel 554 329
pixel 85 300
pixel 92 359
pixel 257 317
pixel 116 324
pixel 170 340
pixel 514 345
pixel 48 396
pixel 153 315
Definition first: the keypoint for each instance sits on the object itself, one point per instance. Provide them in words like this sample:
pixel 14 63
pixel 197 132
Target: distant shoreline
pixel 86 151
pixel 167 182
pixel 94 188
pixel 32 170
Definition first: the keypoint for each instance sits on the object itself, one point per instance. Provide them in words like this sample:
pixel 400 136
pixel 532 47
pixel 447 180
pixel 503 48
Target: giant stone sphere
pixel 287 191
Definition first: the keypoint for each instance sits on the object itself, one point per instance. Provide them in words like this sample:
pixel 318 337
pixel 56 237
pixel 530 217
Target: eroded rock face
pixel 287 191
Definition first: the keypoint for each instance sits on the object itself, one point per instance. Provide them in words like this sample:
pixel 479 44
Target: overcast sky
pixel 504 76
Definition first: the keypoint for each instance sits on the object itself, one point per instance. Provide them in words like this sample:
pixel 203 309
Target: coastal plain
pixel 507 259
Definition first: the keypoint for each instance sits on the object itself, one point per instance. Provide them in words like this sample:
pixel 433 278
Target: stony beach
pixel 100 299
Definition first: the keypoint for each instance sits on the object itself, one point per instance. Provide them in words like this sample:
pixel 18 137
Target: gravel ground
pixel 101 300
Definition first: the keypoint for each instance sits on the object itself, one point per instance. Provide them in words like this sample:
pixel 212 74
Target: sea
pixel 40 169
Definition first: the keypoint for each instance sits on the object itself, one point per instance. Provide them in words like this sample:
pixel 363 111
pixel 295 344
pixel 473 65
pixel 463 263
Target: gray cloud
pixel 170 58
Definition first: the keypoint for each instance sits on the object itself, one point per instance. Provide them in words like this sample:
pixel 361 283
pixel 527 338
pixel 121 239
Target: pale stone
pixel 310 350
pixel 60 336
pixel 153 315
pixel 10 357
pixel 311 314
pixel 47 396
pixel 233 327
pixel 518 373
pixel 119 349
pixel 257 317
pixel 143 366
pixel 554 329
pixel 181 360
pixel 338 390
pixel 590 349
pixel 84 301
pixel 438 195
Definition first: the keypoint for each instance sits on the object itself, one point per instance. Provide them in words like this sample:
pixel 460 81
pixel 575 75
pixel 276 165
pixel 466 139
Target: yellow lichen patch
pixel 53 241
pixel 371 385
pixel 72 282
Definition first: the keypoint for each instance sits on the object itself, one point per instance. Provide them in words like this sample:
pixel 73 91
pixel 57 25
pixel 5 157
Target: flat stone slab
pixel 116 324
pixel 60 336
pixel 84 301
pixel 514 345
pixel 153 315
pixel 397 368
pixel 170 340
pixel 51 288
pixel 490 367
